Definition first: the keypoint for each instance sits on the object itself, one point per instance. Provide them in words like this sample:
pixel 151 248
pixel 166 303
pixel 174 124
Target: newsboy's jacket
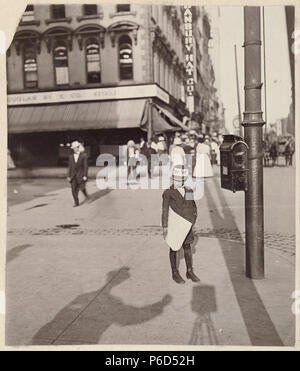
pixel 78 169
pixel 183 206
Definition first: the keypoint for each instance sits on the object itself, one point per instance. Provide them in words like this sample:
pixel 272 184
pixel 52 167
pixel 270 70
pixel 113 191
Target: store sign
pixel 189 49
pixel 81 95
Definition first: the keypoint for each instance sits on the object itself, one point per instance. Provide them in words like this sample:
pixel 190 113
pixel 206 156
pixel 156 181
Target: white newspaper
pixel 178 229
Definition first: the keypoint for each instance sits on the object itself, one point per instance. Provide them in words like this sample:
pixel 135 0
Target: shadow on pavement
pixel 36 206
pixel 260 327
pixel 87 317
pixel 204 303
pixel 97 195
pixel 15 252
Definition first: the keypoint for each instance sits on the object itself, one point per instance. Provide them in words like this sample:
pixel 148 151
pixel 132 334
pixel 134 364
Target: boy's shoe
pixel 191 275
pixel 177 277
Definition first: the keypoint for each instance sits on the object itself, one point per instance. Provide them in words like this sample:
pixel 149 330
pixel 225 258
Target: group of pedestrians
pixel 204 147
pixel 276 148
pixel 204 150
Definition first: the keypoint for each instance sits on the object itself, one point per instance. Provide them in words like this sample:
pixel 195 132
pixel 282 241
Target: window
pixel 90 9
pixel 30 66
pixel 58 11
pixel 123 8
pixel 28 15
pixel 93 61
pixel 125 58
pixel 29 8
pixel 60 58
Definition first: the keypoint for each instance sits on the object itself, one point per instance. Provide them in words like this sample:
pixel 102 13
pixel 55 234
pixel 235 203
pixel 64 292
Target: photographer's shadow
pixel 204 304
pixel 86 318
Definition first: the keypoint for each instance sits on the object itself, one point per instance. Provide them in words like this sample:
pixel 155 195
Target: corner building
pixel 102 74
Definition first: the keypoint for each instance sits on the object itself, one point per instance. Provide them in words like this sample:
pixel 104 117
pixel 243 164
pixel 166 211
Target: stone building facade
pixel 91 70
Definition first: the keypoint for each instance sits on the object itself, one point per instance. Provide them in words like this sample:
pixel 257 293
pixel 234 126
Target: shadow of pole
pixel 260 327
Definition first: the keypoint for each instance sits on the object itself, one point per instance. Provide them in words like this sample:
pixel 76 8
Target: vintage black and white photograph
pixel 151 174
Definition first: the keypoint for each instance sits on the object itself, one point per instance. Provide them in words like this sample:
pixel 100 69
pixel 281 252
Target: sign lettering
pixel 189 52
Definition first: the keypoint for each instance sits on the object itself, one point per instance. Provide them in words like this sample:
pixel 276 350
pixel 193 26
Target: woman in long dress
pixel 203 168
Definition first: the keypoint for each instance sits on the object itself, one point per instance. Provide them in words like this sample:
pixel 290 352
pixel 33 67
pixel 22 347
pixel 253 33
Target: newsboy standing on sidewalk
pixel 179 214
pixel 78 170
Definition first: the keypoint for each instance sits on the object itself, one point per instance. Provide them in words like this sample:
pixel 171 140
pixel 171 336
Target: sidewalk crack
pixel 85 308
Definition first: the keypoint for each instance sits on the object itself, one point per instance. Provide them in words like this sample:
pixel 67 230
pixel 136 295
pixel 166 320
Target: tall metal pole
pixel 253 133
pixel 238 92
pixel 265 69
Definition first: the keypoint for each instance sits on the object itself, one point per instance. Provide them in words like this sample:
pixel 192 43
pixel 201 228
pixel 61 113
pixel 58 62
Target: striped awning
pixel 76 116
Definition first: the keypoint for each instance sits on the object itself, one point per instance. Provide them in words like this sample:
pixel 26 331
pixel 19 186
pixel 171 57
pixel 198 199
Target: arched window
pixel 93 65
pixel 60 58
pixel 30 66
pixel 125 58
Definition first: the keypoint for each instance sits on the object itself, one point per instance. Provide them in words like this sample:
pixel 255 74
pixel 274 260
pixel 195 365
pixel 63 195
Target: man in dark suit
pixel 78 171
pixel 181 200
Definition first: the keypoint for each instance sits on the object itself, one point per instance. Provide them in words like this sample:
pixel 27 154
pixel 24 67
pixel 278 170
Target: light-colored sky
pixel 228 26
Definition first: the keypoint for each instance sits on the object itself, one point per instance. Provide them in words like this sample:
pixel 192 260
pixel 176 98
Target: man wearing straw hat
pixel 179 214
pixel 78 169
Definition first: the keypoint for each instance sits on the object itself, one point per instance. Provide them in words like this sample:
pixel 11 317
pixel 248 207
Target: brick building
pixel 100 73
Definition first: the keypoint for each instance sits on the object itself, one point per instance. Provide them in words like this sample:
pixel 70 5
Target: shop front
pixel 42 125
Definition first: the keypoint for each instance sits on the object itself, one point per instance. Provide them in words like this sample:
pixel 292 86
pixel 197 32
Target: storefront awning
pixel 158 123
pixel 76 116
pixel 172 118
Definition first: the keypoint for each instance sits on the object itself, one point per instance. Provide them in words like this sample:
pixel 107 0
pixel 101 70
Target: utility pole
pixel 238 93
pixel 253 134
pixel 265 70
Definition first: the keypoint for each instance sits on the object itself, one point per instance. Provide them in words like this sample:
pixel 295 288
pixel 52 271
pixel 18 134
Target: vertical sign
pixel 189 55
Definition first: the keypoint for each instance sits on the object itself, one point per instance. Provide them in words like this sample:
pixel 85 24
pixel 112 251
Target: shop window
pixel 60 59
pixel 90 9
pixel 93 64
pixel 123 8
pixel 58 11
pixel 125 58
pixel 30 66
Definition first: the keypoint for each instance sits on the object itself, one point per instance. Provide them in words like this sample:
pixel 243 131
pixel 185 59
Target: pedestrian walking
pixel 273 153
pixel 161 145
pixel 78 171
pixel 177 139
pixel 289 152
pixel 143 147
pixel 292 151
pixel 179 214
pixel 203 168
pixel 131 158
pixel 144 158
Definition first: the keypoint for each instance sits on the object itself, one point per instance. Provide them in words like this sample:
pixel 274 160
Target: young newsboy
pixel 180 199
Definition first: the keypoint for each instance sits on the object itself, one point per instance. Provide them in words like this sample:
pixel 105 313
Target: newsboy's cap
pixel 180 173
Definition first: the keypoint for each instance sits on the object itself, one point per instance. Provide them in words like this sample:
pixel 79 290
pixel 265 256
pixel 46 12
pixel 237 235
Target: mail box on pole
pixel 234 163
